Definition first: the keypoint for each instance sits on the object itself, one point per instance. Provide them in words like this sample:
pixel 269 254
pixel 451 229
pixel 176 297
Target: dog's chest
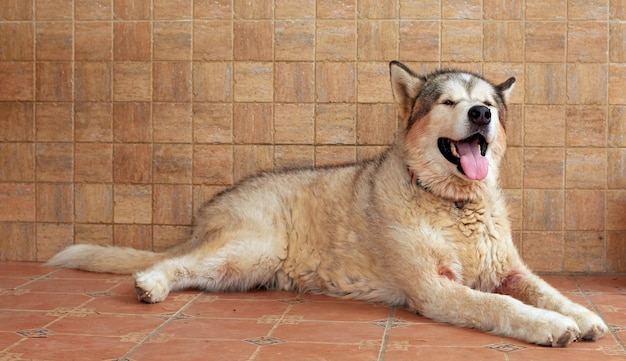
pixel 481 241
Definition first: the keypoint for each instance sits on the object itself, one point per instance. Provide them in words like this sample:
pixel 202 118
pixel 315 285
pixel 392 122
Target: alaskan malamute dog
pixel 424 225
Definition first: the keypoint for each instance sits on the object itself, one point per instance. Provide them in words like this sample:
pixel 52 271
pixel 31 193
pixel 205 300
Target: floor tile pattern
pixel 50 314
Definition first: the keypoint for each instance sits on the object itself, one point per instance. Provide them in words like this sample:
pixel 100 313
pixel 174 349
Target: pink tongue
pixel 473 163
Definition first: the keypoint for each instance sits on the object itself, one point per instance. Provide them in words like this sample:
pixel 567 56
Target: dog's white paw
pixel 151 286
pixel 555 330
pixel 592 327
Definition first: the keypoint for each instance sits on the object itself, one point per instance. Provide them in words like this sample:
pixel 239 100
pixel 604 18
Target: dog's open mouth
pixel 468 155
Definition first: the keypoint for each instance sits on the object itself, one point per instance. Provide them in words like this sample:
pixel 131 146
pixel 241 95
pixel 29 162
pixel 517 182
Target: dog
pixel 423 225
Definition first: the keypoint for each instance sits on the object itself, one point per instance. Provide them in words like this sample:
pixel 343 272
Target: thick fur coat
pixel 423 226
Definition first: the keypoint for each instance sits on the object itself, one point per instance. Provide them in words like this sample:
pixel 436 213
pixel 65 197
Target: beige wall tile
pixel 93 203
pixel 172 163
pixel 52 238
pixel 171 122
pixel 132 203
pixel 253 123
pixel 100 234
pixel 213 164
pixel 543 251
pixel 253 40
pixel 332 155
pixel 18 243
pixel 212 82
pixel 584 210
pixel 419 40
pixel 498 39
pixel 503 9
pixel 584 252
pixel 373 40
pixel 335 40
pixel 17 41
pixel 55 202
pixel 17 162
pixel 253 82
pixel 335 82
pixel 137 236
pixel 172 204
pixel 586 126
pixel 546 10
pixel 544 167
pixel 585 168
pixel 294 123
pixel 212 123
pixel 543 210
pixel 461 41
pixel 93 162
pixel 250 160
pixel 461 9
pixel 335 124
pixel 93 122
pixel 294 40
pixel 616 165
pixel 182 98
pixel 336 9
pixel 54 162
pixel 54 81
pixel 544 126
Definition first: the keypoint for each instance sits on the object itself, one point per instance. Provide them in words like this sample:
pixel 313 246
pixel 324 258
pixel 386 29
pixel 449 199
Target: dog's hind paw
pixel 151 287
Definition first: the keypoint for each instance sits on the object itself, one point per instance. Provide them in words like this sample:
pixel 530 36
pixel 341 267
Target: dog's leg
pixel 237 266
pixel 448 301
pixel 532 290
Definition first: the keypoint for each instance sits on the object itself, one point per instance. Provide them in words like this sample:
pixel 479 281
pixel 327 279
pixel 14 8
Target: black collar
pixel 459 204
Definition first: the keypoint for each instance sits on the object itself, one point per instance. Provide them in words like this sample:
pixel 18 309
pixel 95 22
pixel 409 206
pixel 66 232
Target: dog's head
pixel 455 136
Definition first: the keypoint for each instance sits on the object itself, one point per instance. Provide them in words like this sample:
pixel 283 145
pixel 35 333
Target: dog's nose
pixel 479 115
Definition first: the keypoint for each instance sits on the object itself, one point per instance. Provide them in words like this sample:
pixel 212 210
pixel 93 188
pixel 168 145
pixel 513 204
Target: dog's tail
pixel 89 257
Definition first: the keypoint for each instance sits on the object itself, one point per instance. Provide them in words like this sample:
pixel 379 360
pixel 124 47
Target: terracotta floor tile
pixel 340 311
pixel 23 269
pixel 56 314
pixel 7 339
pixel 451 353
pixel 616 284
pixel 317 352
pixel 329 332
pixel 569 354
pixel 93 324
pixel 235 308
pixel 24 320
pixel 69 286
pixel 12 282
pixel 441 335
pixel 187 349
pixel 216 329
pixel 40 301
pixel 72 347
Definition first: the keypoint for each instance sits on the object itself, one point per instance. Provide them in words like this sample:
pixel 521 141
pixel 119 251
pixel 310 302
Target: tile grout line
pixel 383 344
pixel 157 329
pixel 597 311
pixel 271 331
pixel 59 317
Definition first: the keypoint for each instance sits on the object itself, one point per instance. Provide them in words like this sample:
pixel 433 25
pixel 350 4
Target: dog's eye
pixel 448 102
pixel 488 103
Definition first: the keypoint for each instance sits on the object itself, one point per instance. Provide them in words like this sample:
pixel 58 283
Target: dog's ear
pixel 505 88
pixel 406 85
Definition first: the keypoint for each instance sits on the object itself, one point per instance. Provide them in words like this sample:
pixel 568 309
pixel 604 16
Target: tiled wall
pixel 118 118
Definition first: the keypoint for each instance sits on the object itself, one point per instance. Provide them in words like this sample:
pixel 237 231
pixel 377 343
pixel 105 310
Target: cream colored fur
pixel 366 231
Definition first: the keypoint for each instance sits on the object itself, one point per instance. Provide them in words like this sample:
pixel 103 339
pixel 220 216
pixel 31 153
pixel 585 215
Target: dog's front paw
pixel 557 331
pixel 592 327
pixel 151 287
